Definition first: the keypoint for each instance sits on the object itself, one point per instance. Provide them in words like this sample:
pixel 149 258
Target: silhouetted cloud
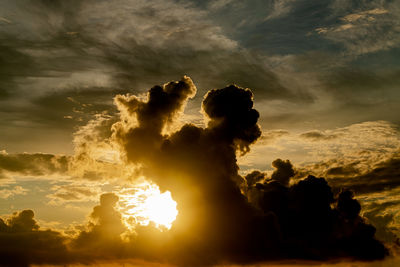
pixel 102 239
pixel 311 228
pixel 254 177
pixel 284 171
pixel 229 218
pixel 23 244
pixel 301 225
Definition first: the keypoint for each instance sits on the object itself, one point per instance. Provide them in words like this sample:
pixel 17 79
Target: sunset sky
pixel 184 132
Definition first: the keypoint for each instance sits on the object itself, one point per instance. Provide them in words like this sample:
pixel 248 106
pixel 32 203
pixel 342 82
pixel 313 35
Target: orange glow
pixel 145 203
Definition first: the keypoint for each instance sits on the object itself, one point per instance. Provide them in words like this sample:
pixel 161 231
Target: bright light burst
pixel 145 203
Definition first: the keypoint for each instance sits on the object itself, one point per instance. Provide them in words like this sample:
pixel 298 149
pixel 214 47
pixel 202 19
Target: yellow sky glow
pixel 145 203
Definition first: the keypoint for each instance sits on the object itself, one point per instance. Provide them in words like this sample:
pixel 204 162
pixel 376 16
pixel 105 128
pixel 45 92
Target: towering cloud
pixel 198 165
pixel 102 239
pixel 140 131
pixel 227 217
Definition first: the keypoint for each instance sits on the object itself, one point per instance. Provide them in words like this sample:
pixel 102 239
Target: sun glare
pixel 145 203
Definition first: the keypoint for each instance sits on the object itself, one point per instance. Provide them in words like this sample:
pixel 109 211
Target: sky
pixel 242 113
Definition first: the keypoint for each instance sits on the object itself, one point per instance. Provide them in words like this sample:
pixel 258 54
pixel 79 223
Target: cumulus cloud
pixel 305 215
pixel 229 218
pixel 283 171
pixel 22 243
pixel 254 177
pixel 102 238
pixel 162 106
pixel 224 220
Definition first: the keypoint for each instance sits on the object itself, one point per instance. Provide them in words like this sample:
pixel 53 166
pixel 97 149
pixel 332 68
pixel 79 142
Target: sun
pixel 145 203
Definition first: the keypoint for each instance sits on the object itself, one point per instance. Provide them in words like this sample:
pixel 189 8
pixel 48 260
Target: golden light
pixel 145 203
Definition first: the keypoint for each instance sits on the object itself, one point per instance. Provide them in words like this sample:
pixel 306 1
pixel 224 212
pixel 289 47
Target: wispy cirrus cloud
pixel 372 28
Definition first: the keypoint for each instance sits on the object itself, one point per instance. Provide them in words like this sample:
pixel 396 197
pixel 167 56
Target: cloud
pixel 361 87
pixel 271 136
pixel 383 175
pixel 254 177
pixel 188 153
pixel 57 52
pixel 366 31
pixel 225 221
pixel 283 171
pixel 359 146
pixel 316 135
pixel 229 218
pixel 69 193
pixel 22 243
pixel 32 164
pixel 95 156
pixel 17 190
pixel 385 222
pixel 104 230
pixel 305 215
pixel 280 8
